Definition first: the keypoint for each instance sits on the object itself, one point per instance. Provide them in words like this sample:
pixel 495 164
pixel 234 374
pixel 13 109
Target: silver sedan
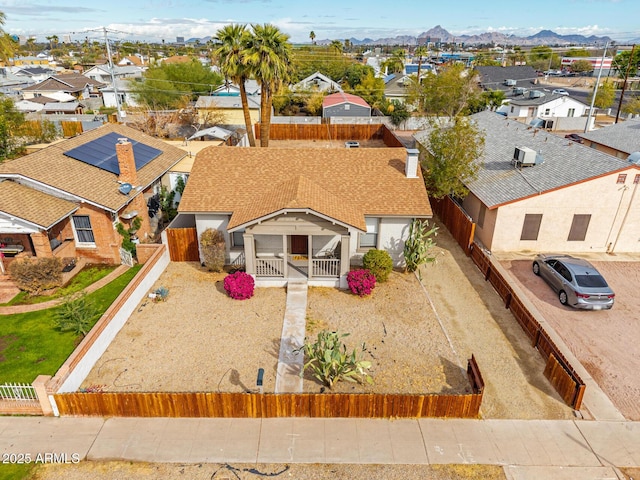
pixel 576 281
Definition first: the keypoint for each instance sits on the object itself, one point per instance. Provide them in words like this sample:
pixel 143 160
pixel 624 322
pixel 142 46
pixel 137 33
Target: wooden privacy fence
pixel 560 373
pixel 183 244
pixel 327 131
pixel 456 220
pixel 269 405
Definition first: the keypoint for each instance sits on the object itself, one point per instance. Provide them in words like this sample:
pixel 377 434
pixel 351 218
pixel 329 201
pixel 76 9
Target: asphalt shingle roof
pixel 51 167
pixel 624 136
pixel 32 205
pixel 341 183
pixel 564 162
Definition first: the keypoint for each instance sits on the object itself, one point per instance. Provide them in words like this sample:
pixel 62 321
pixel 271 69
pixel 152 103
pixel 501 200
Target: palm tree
pixel 421 51
pixel 312 36
pixel 7 45
pixel 268 55
pixel 336 46
pixel 230 56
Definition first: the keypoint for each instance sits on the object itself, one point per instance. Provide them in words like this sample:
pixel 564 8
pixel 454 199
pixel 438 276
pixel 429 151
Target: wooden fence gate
pixel 183 244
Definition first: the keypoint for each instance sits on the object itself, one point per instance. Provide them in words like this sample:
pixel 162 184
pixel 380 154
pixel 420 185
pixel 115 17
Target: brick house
pixel 65 200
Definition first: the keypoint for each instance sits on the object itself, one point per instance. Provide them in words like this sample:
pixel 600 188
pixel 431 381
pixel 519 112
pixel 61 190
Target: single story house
pixel 305 213
pixel 125 94
pixel 102 74
pixel 342 104
pixel 539 192
pixel 74 84
pixel 506 79
pixel 317 82
pixel 66 199
pixel 226 109
pixel 620 140
pixel 553 109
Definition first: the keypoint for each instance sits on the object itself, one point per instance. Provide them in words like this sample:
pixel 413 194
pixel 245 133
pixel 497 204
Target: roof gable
pixel 342 97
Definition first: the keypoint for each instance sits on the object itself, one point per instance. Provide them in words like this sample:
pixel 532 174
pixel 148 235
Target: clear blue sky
pixel 329 19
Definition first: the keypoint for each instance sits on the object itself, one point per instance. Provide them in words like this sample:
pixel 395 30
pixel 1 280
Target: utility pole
pixel 113 77
pixel 624 85
pixel 595 89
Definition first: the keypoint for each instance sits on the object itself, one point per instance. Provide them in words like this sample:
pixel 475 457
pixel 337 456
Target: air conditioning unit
pixel 524 157
pixel 510 83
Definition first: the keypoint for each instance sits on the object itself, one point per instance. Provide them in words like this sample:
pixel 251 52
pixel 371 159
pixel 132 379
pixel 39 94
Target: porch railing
pixel 270 267
pixel 19 392
pixel 325 267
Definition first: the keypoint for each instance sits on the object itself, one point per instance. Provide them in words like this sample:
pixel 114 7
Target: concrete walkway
pixel 52 303
pixel 527 448
pixel 290 363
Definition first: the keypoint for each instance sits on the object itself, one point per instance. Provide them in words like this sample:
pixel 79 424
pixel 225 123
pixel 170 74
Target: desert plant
pixel 239 285
pixel 213 248
pixel 379 263
pixel 417 247
pixel 76 315
pixel 34 275
pixel 329 361
pixel 161 294
pixel 128 233
pixel 361 282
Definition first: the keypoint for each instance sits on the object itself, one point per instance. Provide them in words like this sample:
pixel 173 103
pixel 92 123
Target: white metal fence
pixel 18 392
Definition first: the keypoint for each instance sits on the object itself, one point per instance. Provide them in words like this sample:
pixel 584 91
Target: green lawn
pixel 12 471
pixel 87 276
pixel 30 345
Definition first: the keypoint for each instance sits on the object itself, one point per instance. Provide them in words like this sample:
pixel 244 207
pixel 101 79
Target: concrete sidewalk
pixel 526 447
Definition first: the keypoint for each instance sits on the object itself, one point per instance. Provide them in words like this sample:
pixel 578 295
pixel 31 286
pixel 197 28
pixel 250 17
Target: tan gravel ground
pixel 129 470
pixel 201 340
pixel 605 342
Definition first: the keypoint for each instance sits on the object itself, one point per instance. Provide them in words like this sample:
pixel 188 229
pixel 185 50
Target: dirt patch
pixel 122 470
pixel 605 342
pixel 408 349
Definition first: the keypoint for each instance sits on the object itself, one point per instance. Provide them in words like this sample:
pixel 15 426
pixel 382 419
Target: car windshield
pixel 591 281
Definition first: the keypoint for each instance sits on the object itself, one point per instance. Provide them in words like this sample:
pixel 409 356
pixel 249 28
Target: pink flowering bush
pixel 239 285
pixel 361 282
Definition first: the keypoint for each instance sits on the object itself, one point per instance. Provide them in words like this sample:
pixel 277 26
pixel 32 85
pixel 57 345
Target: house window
pixel 512 109
pixel 483 211
pixel 571 112
pixel 370 239
pixel 237 238
pixel 531 226
pixel 636 179
pixel 547 111
pixel 622 178
pixel 82 227
pixel 579 227
pixel 347 107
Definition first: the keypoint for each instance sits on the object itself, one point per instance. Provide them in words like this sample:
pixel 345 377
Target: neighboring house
pixel 345 105
pixel 131 60
pixel 74 84
pixel 29 106
pixel 65 200
pixel 63 108
pixel 229 107
pixel 125 94
pixel 317 82
pixel 620 140
pixel 560 196
pixel 306 212
pixel 11 83
pixel 177 59
pixel 395 87
pixel 101 73
pixel 506 79
pixel 549 107
pixel 231 89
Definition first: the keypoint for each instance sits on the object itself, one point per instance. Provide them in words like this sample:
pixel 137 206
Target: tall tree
pixel 420 52
pixel 336 46
pixel 232 64
pixel 395 63
pixel 7 44
pixel 623 62
pixel 312 36
pixel 451 160
pixel 268 55
pixel 605 96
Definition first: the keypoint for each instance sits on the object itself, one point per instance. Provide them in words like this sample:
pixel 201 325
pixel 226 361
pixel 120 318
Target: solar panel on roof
pixel 101 153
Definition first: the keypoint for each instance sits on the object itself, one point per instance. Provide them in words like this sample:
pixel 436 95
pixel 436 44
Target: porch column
pixel 345 259
pixel 309 256
pixel 41 244
pixel 249 253
pixel 285 254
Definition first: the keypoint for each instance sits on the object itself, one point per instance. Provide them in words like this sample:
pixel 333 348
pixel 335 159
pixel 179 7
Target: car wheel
pixel 536 268
pixel 562 296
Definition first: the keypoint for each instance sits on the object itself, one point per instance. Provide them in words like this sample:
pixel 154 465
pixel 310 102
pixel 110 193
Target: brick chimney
pixel 126 162
pixel 411 164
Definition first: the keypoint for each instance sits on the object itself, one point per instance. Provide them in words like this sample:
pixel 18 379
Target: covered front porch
pixel 297 247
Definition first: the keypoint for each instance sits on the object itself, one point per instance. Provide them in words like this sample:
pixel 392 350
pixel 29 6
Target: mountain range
pixel 437 33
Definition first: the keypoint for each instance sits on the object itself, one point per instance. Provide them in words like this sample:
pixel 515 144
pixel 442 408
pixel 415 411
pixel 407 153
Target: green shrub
pixel 76 315
pixel 417 247
pixel 329 361
pixel 213 248
pixel 34 275
pixel 379 263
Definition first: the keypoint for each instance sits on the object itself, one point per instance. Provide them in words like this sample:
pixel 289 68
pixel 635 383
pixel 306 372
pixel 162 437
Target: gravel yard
pixel 201 340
